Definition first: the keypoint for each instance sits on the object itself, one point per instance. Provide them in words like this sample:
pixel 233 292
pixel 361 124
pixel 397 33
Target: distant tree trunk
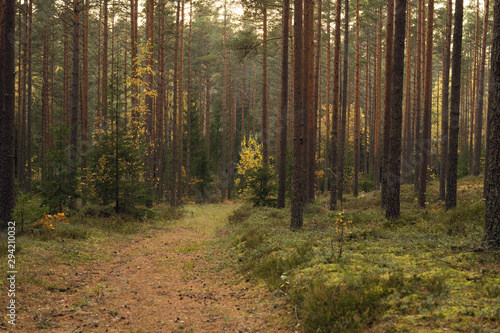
pixel 175 135
pixel 479 96
pixel 284 105
pixel 313 132
pixel 367 104
pixel 180 114
pixel 444 108
pixel 394 178
pixel 7 123
pixel 491 236
pixel 418 98
pixel 104 102
pixel 378 103
pixel 308 40
pixel 45 102
pixel 389 35
pixel 328 86
pixel 224 108
pixel 406 168
pixel 345 98
pixel 133 55
pixel 335 110
pixel 357 112
pixel 298 177
pixel 265 112
pixel 21 129
pixel 85 89
pixel 75 94
pixel 29 115
pixel 207 114
pixel 475 75
pixel 426 134
pixel 66 105
pixel 451 180
pixel 160 105
pixel 188 120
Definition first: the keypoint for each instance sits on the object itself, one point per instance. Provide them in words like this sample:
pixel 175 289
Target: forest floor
pixel 169 279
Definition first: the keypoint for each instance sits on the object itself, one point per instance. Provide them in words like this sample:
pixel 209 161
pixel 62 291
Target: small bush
pixel 240 214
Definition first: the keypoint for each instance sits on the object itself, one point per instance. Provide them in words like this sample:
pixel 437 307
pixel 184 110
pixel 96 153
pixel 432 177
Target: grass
pixel 422 272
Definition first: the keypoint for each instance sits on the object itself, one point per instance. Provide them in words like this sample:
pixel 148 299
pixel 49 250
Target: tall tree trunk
pixel 104 102
pixel 480 95
pixel 207 114
pixel 451 180
pixel 45 102
pixel 444 106
pixel 224 108
pixel 75 94
pixel 345 98
pixel 265 111
pixel 406 168
pixel 335 109
pixel 389 36
pixel 284 105
pixel 180 114
pixel 298 196
pixel 378 103
pixel 418 99
pixel 133 55
pixel 175 135
pixel 150 134
pixel 85 91
pixel 29 116
pixel 357 112
pixel 491 236
pixel 328 80
pixel 394 178
pixel 474 90
pixel 427 125
pixel 160 105
pixel 309 97
pixel 315 114
pixel 7 123
pixel 188 120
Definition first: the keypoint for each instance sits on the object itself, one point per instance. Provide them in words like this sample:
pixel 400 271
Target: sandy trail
pixel 167 281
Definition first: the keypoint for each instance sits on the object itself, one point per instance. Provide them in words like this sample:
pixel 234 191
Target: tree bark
pixel 451 178
pixel 357 111
pixel 7 123
pixel 426 133
pixel 480 95
pixel 284 106
pixel 389 36
pixel 491 236
pixel 444 105
pixel 345 98
pixel 394 178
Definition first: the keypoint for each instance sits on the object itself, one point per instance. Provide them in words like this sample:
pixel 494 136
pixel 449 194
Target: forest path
pixel 166 281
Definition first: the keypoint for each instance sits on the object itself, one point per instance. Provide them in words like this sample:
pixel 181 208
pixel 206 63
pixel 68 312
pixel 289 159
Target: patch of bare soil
pixel 167 281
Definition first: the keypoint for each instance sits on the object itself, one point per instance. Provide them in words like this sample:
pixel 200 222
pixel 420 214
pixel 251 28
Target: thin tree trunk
pixel 85 92
pixel 284 106
pixel 298 196
pixel 316 111
pixel 224 108
pixel 451 180
pixel 75 94
pixel 180 114
pixel 427 122
pixel 45 102
pixel 389 36
pixel 175 136
pixel 357 112
pixel 418 99
pixel 104 102
pixel 480 95
pixel 188 120
pixel 345 98
pixel 378 103
pixel 328 86
pixel 444 107
pixel 160 105
pixel 335 109
pixel 406 168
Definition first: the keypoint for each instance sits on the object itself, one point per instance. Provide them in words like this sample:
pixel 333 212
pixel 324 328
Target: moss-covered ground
pixel 358 272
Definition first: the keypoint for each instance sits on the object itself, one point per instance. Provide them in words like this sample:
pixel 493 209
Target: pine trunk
pixel 451 179
pixel 357 112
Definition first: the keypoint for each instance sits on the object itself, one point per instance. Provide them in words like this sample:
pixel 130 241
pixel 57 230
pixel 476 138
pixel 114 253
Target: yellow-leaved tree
pixel 255 182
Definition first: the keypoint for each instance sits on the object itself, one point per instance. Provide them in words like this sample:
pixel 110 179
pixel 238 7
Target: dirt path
pixel 167 281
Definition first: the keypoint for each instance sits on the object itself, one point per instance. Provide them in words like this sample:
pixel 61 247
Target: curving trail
pixel 167 281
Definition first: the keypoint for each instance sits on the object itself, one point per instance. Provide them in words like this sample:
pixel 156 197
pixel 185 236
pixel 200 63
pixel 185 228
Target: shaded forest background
pixel 124 104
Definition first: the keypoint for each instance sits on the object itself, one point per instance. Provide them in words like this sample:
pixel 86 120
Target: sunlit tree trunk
pixel 427 125
pixel 445 100
pixel 480 95
pixel 284 105
pixel 357 112
pixel 345 99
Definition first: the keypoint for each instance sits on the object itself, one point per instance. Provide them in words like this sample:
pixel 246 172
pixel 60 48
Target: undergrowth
pixel 422 272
